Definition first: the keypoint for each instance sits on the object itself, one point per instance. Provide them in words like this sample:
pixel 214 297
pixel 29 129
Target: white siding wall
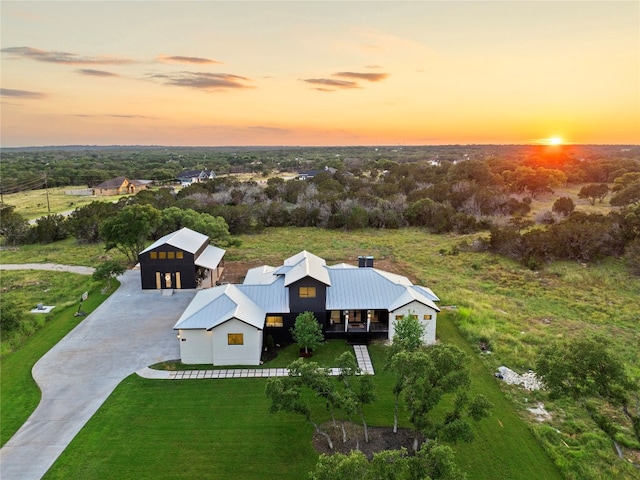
pixel 195 346
pixel 247 354
pixel 416 308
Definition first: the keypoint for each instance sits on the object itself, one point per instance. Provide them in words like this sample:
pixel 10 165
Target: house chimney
pixel 365 262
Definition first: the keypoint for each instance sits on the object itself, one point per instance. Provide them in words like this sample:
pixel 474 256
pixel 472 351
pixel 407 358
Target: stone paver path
pixel 361 352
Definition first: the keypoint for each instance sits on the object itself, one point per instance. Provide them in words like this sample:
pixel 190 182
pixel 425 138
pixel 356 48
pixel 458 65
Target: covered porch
pixel 341 322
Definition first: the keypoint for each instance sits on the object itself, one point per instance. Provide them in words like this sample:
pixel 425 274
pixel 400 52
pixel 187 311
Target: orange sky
pixel 319 73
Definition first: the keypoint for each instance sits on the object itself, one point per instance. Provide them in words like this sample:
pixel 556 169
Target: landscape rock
pixel 529 380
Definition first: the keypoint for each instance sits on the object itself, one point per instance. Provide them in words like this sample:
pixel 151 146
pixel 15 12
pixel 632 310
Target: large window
pixel 274 321
pixel 235 338
pixel 307 292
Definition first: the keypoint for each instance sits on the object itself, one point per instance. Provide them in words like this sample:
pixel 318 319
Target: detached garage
pixel 180 260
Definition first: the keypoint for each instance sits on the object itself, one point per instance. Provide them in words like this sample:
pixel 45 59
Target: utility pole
pixel 46 189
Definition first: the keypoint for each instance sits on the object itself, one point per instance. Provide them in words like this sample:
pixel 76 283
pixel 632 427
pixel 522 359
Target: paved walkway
pixel 361 352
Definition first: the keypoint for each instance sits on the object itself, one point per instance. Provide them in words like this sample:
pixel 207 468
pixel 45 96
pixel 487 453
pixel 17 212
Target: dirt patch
pixel 234 272
pixel 380 438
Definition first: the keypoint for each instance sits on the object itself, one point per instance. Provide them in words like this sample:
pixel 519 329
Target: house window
pixel 427 317
pixel 171 255
pixel 153 255
pixel 411 315
pixel 235 338
pixel 179 255
pixel 162 255
pixel 307 292
pixel 274 321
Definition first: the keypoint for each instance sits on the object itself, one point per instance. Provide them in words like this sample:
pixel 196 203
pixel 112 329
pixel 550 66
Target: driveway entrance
pixel 130 330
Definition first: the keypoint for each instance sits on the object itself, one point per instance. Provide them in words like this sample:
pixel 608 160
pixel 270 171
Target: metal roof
pixel 210 258
pixel 264 291
pixel 184 239
pixel 305 264
pixel 272 298
pixel 370 288
pixel 214 306
pixel 260 276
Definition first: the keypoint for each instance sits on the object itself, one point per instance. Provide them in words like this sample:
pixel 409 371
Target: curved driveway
pixel 130 330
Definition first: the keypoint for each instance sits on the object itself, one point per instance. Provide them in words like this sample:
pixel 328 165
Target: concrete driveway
pixel 130 330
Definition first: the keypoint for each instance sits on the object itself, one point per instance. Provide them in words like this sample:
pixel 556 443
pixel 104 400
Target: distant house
pixel 187 177
pixel 181 260
pixel 120 186
pixel 227 325
pixel 312 173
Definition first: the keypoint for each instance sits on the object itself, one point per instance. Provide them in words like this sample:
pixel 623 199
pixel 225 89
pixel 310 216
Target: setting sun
pixel 555 141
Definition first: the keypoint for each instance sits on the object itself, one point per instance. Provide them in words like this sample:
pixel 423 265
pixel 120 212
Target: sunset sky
pixel 319 73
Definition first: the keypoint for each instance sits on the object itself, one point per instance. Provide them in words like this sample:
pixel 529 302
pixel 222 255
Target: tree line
pixel 492 194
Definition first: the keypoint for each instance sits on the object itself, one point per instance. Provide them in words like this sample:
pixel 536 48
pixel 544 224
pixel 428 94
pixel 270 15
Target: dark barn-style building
pixel 180 260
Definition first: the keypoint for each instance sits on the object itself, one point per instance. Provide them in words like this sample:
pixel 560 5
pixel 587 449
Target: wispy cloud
pixel 330 84
pixel 112 115
pixel 370 77
pixel 183 59
pixel 64 58
pixel 203 80
pixel 96 73
pixel 8 92
pixel 333 84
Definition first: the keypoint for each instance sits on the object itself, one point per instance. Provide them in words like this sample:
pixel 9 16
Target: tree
pixel 14 228
pixel 429 374
pixel 409 333
pixel 585 369
pixel 84 222
pixel 50 229
pixel 130 229
pixel 216 228
pixel 286 393
pixel 307 332
pixel 360 387
pixel 108 270
pixel 433 461
pixel 593 192
pixel 563 206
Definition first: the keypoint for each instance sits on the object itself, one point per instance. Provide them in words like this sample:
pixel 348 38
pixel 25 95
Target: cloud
pixel 113 115
pixel 203 81
pixel 96 73
pixel 183 59
pixel 64 58
pixel 330 82
pixel 370 77
pixel 8 92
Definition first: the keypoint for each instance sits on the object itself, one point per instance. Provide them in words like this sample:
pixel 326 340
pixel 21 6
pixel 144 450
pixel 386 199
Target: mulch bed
pixel 380 438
